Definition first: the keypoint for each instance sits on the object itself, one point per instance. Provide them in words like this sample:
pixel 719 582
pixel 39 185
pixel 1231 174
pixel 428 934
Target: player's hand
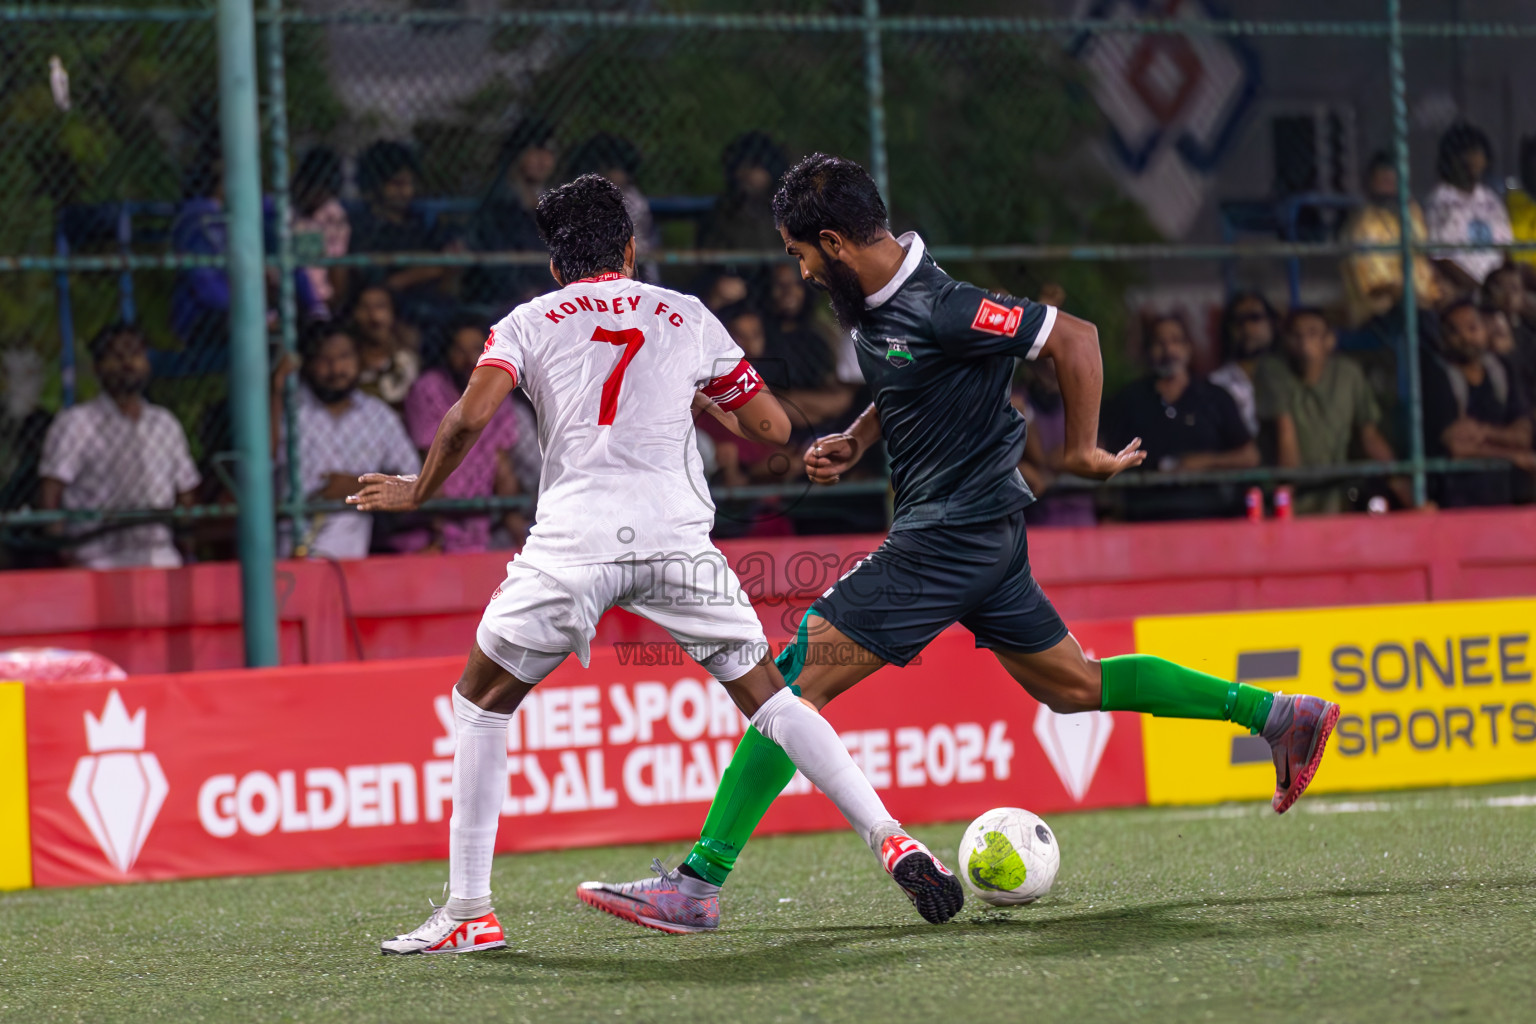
pixel 382 493
pixel 828 458
pixel 1099 464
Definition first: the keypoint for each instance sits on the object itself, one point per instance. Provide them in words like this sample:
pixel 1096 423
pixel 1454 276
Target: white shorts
pixel 538 616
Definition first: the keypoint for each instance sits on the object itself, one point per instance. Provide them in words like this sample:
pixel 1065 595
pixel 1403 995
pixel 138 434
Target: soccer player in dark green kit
pixel 938 355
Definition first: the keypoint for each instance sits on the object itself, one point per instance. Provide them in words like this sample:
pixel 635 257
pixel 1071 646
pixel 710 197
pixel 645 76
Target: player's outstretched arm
pixel 760 418
pixel 1074 345
pixel 829 457
pixel 489 386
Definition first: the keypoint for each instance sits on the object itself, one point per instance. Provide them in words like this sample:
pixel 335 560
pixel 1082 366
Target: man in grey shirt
pixel 118 451
pixel 343 433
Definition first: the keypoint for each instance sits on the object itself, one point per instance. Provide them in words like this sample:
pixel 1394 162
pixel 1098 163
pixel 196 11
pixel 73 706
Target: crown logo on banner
pixel 118 788
pixel 114 730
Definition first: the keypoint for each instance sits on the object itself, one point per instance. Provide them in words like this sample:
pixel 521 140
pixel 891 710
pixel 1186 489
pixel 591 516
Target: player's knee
pixel 1067 693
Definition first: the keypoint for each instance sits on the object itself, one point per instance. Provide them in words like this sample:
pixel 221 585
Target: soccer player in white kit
pixel 615 368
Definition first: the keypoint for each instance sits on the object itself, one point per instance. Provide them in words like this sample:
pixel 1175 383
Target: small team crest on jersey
pixel 995 318
pixel 897 353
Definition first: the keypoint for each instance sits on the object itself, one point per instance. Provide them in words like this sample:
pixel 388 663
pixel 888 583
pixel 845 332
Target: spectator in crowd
pixel 742 217
pixel 200 296
pixel 1508 297
pixel 1463 210
pixel 504 222
pixel 118 451
pixel 1247 335
pixel 1473 409
pixel 1521 204
pixel 320 226
pixel 1373 281
pixel 390 179
pixel 343 433
pixel 1185 424
pixel 1322 408
pixel 799 357
pixel 23 425
pixel 388 350
pixel 721 287
pixel 486 470
pixel 618 160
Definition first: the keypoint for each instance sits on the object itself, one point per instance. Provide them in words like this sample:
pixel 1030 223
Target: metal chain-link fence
pixel 1143 163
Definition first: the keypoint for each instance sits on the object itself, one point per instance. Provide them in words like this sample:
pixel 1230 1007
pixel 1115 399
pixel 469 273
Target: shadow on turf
pixel 803 952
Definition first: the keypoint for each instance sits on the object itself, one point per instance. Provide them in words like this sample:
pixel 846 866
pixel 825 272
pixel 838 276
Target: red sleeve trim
pixel 733 390
pixel 500 364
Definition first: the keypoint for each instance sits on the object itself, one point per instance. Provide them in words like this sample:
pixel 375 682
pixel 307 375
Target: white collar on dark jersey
pixel 915 250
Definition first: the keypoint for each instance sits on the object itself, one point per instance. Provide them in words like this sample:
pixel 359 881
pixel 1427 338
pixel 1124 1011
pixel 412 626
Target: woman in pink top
pixel 486 470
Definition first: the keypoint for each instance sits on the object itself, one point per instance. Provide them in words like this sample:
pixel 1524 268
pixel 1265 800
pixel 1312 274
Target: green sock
pixel 1141 682
pixel 757 774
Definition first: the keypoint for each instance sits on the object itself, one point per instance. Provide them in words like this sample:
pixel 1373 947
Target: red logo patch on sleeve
pixel 489 341
pixel 995 318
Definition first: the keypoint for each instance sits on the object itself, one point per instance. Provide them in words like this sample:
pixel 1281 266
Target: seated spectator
pixel 1521 204
pixel 320 226
pixel 1508 297
pixel 742 217
pixel 1247 334
pixel 504 222
pixel 200 296
pixel 618 160
pixel 1473 409
pixel 23 425
pixel 799 357
pixel 390 179
pixel 118 451
pixel 387 349
pixel 1464 210
pixel 719 288
pixel 1185 424
pixel 486 470
pixel 1321 407
pixel 1373 281
pixel 343 433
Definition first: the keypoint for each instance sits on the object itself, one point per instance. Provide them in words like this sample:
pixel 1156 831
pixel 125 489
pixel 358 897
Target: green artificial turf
pixel 1399 907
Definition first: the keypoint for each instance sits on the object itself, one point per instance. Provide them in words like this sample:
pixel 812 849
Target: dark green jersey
pixel 938 356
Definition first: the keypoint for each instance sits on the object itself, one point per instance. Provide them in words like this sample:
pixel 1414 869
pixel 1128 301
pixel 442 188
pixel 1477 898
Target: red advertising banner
pixel 241 772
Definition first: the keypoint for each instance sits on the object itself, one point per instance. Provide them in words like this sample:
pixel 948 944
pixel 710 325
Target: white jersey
pixel 611 366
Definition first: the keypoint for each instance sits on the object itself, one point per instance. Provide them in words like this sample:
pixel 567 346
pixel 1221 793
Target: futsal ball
pixel 1009 856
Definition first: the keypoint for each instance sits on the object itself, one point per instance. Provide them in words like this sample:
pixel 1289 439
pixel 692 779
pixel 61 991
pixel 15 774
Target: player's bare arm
pixel 829 457
pixel 762 418
pixel 488 387
pixel 1074 346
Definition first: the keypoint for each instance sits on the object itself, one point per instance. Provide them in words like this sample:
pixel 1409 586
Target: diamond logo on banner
pixel 1074 744
pixel 118 788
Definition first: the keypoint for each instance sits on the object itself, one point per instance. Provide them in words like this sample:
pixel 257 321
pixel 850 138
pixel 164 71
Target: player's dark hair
pixel 382 161
pixel 1300 313
pixel 585 226
pixel 1460 139
pixel 830 193
pixel 316 335
pixel 110 333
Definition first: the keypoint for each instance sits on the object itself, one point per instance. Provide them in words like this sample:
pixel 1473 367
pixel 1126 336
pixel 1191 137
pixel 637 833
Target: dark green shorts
pixel 919 582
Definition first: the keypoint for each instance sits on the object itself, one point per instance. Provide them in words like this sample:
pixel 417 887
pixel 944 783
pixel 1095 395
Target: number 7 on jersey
pixel 632 338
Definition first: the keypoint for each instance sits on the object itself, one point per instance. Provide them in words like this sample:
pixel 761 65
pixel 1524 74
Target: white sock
pixel 479 782
pixel 812 744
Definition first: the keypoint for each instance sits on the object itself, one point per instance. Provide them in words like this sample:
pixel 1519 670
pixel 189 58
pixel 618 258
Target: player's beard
pixel 844 290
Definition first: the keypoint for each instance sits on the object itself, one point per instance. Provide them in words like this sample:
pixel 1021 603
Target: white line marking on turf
pixel 1344 807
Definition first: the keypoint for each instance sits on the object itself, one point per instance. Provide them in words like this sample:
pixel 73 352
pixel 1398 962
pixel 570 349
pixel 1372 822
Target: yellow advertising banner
pixel 15 840
pixel 1429 694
